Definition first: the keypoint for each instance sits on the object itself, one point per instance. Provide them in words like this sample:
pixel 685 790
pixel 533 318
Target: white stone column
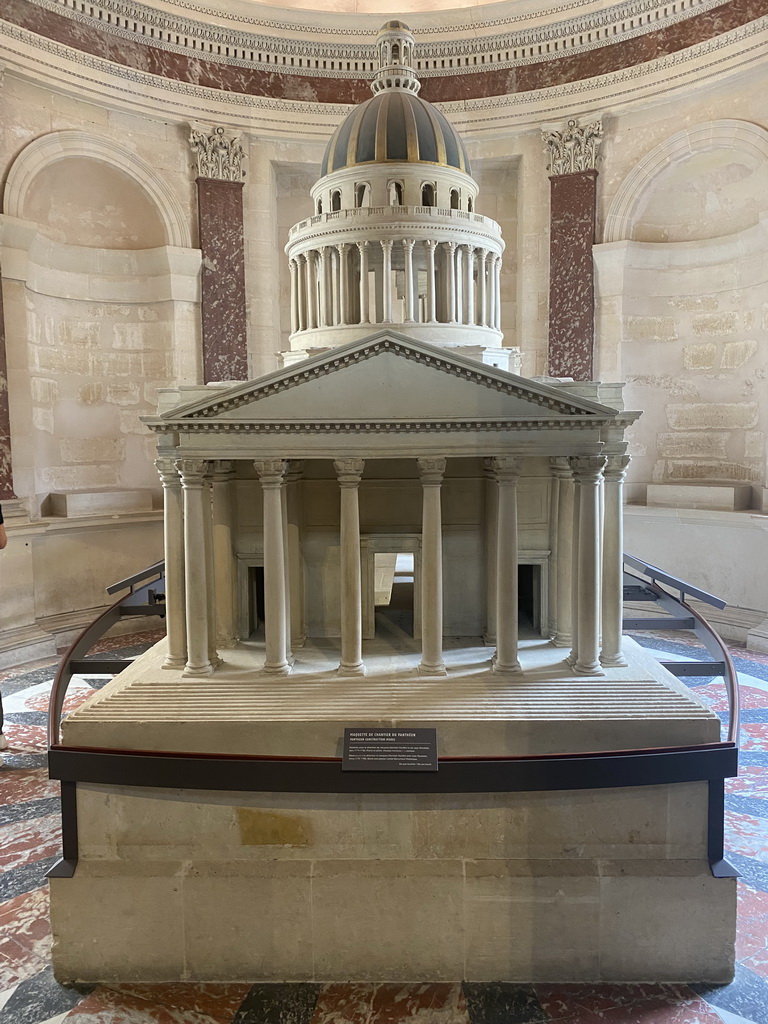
pixel 173 527
pixel 224 553
pixel 292 541
pixel 335 307
pixel 270 473
pixel 491 540
pixel 491 297
pixel 431 471
pixel 408 244
pixel 554 508
pixel 386 280
pixel 210 568
pixel 587 470
pixel 497 292
pixel 482 299
pixel 450 282
pixel 470 276
pixel 286 564
pixel 460 285
pixel 575 548
pixel 349 472
pixel 195 566
pixel 343 250
pixel 301 291
pixel 312 290
pixel 294 296
pixel 507 472
pixel 365 313
pixel 323 286
pixel 564 567
pixel 613 569
pixel 431 282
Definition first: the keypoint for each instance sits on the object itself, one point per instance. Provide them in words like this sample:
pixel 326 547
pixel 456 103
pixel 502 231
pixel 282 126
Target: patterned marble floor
pixel 29 844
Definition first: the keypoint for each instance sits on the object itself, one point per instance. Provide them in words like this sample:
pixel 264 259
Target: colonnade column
pixel 301 285
pixel 490 274
pixel 195 565
pixel 587 470
pixel 431 471
pixel 497 292
pixel 173 527
pixel 563 587
pixel 470 279
pixel 408 244
pixel 292 541
pixel 286 563
pixel 450 283
pixel 343 250
pixel 386 282
pixel 554 508
pixel 431 282
pixel 613 568
pixel 491 541
pixel 482 318
pixel 210 566
pixel 323 287
pixel 311 258
pixel 294 296
pixel 507 472
pixel 271 473
pixel 460 284
pixel 365 314
pixel 349 472
pixel 223 552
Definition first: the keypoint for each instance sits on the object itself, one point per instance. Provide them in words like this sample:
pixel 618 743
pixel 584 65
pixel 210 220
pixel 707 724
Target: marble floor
pixel 29 844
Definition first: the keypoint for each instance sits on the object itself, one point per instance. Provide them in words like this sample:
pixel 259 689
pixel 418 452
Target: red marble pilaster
pixel 571 274
pixel 6 467
pixel 220 214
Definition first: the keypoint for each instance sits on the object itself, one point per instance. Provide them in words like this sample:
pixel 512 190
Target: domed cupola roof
pixel 396 124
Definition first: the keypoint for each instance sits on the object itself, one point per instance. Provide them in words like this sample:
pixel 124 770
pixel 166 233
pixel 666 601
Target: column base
pixel 562 640
pixel 277 670
pixel 613 661
pixel 592 669
pixel 200 671
pixel 351 670
pixel 571 659
pixel 505 670
pixel 432 670
pixel 174 663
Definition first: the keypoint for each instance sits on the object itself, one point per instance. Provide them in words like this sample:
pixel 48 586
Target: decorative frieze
pixel 574 148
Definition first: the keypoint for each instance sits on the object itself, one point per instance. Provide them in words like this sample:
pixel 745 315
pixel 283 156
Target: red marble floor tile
pixel 752 926
pixel 25 739
pixel 751 698
pixel 25 918
pixel 77 693
pixel 746 835
pixel 23 784
pixel 16 963
pixel 752 780
pixel 422 1004
pixel 121 1006
pixel 757 963
pixel 344 1004
pixel 625 1004
pixel 754 736
pixel 218 1001
pixel 24 841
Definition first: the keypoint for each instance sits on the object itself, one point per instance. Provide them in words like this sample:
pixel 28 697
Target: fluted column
pixel 312 289
pixel 173 526
pixel 587 470
pixel 349 472
pixel 507 472
pixel 343 250
pixel 460 285
pixel 431 292
pixel 335 308
pixel 365 313
pixel 497 292
pixel 565 489
pixel 294 296
pixel 301 290
pixel 323 286
pixel 491 540
pixel 470 276
pixel 491 297
pixel 482 289
pixel 431 471
pixel 386 283
pixel 195 565
pixel 408 244
pixel 613 569
pixel 450 282
pixel 270 473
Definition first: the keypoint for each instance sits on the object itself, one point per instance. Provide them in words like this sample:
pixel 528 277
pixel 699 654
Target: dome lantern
pixel 395 46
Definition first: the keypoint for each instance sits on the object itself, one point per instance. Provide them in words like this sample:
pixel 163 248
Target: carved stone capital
pixel 349 471
pixel 167 471
pixel 506 470
pixel 219 152
pixel 616 467
pixel 431 470
pixel 587 468
pixel 192 472
pixel 574 148
pixel 561 467
pixel 271 471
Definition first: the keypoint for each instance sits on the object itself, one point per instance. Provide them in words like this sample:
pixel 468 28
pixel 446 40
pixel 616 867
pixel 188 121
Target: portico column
pixel 408 244
pixel 223 553
pixel 348 472
pixel 270 473
pixel 460 284
pixel 343 250
pixel 587 470
pixel 294 296
pixel 386 283
pixel 554 494
pixel 323 287
pixel 470 286
pixel 301 291
pixel 496 312
pixel 210 568
pixel 365 315
pixel 482 271
pixel 431 471
pixel 491 540
pixel 613 567
pixel 450 286
pixel 312 289
pixel 431 311
pixel 564 555
pixel 507 472
pixel 195 566
pixel 173 526
pixel 491 300
pixel 286 563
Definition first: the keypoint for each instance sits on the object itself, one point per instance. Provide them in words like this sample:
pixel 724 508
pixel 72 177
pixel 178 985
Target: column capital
pixel 270 471
pixel 222 469
pixel 408 243
pixel 293 266
pixel 349 471
pixel 587 468
pixel 574 148
pixel 192 471
pixel 362 245
pixel 386 244
pixel 470 250
pixel 167 471
pixel 431 471
pixel 561 467
pixel 431 245
pixel 450 246
pixel 219 152
pixel 343 247
pixel 506 470
pixel 616 467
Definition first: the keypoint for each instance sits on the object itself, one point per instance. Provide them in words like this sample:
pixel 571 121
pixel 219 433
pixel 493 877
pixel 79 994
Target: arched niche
pixel 704 182
pixel 34 169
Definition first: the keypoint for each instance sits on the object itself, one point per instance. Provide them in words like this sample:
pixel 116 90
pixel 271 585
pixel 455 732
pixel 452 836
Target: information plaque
pixel 389 750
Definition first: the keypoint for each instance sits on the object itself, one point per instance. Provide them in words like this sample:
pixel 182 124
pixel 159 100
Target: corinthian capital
pixel 218 151
pixel 575 148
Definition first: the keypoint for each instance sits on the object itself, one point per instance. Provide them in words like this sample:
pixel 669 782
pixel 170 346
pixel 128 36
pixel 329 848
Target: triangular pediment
pixel 387 377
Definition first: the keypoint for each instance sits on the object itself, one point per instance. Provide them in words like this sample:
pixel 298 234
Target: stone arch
pixel 739 136
pixel 50 148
